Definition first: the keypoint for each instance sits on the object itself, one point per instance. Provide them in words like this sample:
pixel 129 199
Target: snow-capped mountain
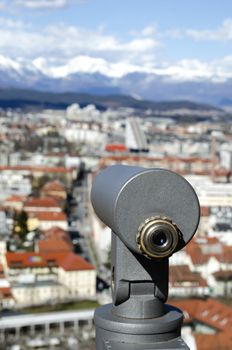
pixel 98 76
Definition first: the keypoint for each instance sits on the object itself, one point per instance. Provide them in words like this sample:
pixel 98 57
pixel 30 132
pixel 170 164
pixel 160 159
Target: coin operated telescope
pixel 152 213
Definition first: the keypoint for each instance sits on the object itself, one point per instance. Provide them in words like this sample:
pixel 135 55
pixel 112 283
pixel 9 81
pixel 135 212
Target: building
pixel 4 230
pixel 54 245
pixel 211 259
pixel 223 283
pixel 14 202
pixel 46 204
pixel 56 233
pixel 219 341
pixel 14 183
pixel 20 176
pixel 210 322
pixel 7 300
pixel 135 137
pixel 45 220
pixel 78 276
pixel 54 189
pixel 116 148
pixel 185 283
pixel 45 277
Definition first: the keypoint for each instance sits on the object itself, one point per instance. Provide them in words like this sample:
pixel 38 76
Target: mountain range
pixel 99 77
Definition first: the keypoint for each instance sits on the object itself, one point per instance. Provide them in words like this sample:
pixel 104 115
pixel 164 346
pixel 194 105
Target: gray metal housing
pixel 125 197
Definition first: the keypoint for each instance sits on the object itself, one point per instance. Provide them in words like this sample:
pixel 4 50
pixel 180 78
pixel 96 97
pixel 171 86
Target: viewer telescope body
pixel 152 213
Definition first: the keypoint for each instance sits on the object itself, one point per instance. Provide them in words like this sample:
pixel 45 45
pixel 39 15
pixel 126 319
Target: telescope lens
pixel 158 238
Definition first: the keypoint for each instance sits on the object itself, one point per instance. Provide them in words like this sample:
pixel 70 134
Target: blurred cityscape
pixel 55 253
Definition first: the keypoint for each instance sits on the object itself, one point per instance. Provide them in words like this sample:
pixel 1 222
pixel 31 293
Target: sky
pixel 169 35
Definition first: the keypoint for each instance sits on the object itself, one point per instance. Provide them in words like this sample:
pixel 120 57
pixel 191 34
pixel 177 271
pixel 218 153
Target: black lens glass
pixel 159 239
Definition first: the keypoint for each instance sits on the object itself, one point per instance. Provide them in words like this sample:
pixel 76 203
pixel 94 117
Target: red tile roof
pixel 223 275
pixel 67 260
pixel 210 312
pixel 47 202
pixel 227 255
pixel 205 211
pixel 218 341
pixel 50 216
pixel 5 293
pixel 1 271
pixel 56 233
pixel 115 147
pixel 18 199
pixel 42 169
pixel 19 260
pixel 73 262
pixel 182 273
pixel 201 250
pixel 54 245
pixel 53 186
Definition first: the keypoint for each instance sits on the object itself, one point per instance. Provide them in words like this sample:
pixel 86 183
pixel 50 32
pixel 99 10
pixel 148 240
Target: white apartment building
pixel 211 194
pixel 49 220
pixel 83 134
pixel 40 278
pixel 217 199
pixel 75 112
pixel 12 183
pixel 102 239
pixel 3 224
pixel 38 293
pixel 79 284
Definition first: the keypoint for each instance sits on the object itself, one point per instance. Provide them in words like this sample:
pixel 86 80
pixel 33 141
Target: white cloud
pixel 63 42
pixel 195 70
pixel 64 49
pixel 11 23
pixel 216 71
pixel 41 4
pixel 188 70
pixel 149 31
pixel 222 33
pixel 85 64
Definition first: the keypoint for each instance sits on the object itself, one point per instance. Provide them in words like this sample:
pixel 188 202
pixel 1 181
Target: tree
pixel 20 224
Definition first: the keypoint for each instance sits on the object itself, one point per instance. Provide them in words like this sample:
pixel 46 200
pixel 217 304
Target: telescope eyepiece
pixel 158 237
pixel 163 208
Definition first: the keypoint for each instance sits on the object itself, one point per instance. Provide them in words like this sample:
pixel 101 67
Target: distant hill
pixel 96 76
pixel 19 98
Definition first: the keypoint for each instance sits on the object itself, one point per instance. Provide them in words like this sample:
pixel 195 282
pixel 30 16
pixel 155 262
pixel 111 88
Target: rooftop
pixel 223 275
pixel 50 216
pixel 182 273
pixel 54 245
pixel 214 341
pixel 201 250
pixel 210 312
pixel 18 199
pixel 67 260
pixel 5 293
pixel 73 262
pixel 53 186
pixel 43 169
pixel 47 202
pixel 56 233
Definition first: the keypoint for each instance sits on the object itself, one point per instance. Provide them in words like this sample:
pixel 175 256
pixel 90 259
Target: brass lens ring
pixel 158 237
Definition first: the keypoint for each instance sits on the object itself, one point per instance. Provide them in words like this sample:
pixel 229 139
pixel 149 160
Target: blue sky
pixel 192 34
